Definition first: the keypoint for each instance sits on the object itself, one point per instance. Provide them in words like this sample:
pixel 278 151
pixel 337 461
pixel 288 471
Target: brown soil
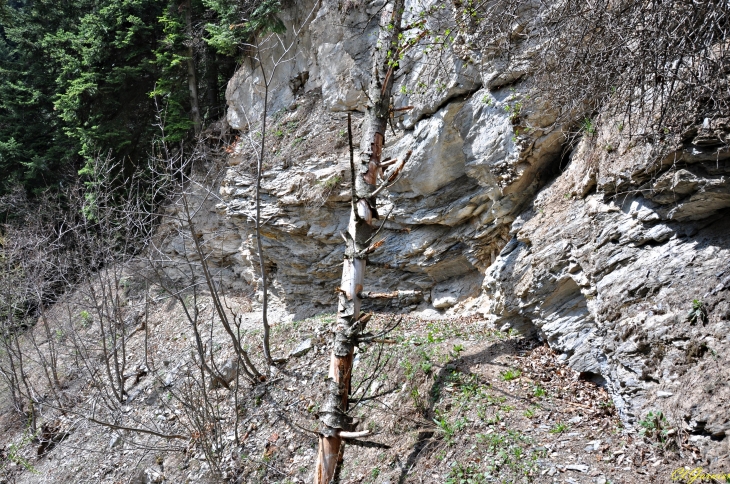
pixel 448 401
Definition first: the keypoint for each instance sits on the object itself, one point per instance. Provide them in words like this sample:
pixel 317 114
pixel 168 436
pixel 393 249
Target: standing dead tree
pixel 187 193
pixel 336 425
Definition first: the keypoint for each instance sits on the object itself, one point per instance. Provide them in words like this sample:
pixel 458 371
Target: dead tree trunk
pixel 335 423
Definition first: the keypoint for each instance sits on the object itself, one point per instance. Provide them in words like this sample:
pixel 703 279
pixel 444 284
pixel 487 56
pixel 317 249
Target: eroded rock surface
pixel 632 289
pixel 471 170
pixel 603 253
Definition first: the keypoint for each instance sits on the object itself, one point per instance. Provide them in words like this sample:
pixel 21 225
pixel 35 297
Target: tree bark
pixel 192 76
pixel 211 81
pixel 333 415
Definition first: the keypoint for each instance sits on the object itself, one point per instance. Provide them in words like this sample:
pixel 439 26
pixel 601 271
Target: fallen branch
pixel 389 295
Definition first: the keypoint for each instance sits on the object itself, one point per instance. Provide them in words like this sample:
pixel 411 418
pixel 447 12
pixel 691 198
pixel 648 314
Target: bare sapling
pixel 270 51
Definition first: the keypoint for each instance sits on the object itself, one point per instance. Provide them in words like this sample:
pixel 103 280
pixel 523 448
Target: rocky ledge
pixel 612 251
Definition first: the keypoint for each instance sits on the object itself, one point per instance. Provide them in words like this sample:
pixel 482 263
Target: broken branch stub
pixel 349 325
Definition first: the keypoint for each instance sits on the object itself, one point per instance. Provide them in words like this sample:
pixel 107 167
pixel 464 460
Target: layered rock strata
pixel 614 252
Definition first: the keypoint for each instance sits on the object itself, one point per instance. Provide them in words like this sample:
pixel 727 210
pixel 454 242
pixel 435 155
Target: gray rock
pixel 302 349
pixel 601 255
pixel 148 476
pixel 585 269
pixel 446 294
pixel 226 372
pixel 115 440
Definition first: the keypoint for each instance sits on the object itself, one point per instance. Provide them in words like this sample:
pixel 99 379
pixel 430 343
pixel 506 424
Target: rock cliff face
pixel 616 256
pixel 469 176
pixel 633 289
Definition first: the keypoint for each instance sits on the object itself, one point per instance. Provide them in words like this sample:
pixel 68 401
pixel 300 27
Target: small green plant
pixel 529 413
pixel 538 391
pixel 443 425
pixel 494 441
pixel 14 456
pixel 510 454
pixel 85 318
pixel 470 388
pixel 417 399
pixel 492 400
pixel 559 428
pixel 13 451
pixel 375 472
pixel 482 412
pixel 655 426
pixel 495 419
pixel 408 368
pixel 514 110
pixel 588 127
pixel 487 99
pixel 432 337
pixel 456 351
pixel 465 474
pixel 291 126
pixel 330 182
pixel 447 428
pixel 297 141
pixel 279 133
pixel 698 313
pixel 511 374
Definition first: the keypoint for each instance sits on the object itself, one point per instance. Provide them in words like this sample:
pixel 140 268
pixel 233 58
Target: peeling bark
pixel 336 425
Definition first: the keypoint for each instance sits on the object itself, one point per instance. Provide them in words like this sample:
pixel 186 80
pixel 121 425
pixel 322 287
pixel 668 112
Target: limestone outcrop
pixel 612 251
pixel 470 173
pixel 631 286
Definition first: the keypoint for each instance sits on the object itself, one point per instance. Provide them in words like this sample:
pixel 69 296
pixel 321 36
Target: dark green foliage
pixel 240 22
pixel 77 76
pixel 81 79
pixel 106 69
pixel 171 89
pixel 264 19
pixel 33 150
